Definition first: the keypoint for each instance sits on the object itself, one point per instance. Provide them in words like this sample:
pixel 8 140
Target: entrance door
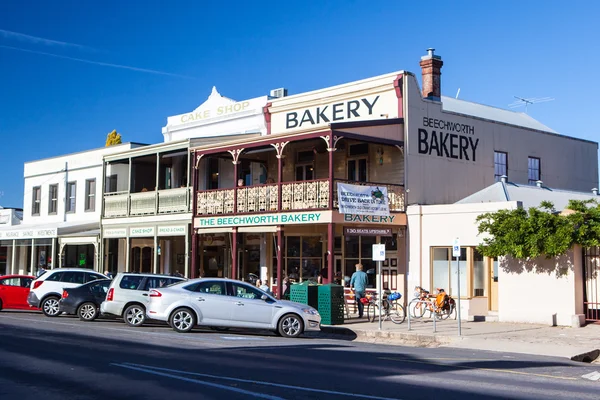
pixel 493 284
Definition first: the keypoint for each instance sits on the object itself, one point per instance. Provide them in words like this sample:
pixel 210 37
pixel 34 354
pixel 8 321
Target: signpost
pixel 456 254
pixel 379 256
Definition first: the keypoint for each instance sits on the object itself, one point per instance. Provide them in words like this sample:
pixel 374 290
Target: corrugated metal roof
pixel 492 113
pixel 529 196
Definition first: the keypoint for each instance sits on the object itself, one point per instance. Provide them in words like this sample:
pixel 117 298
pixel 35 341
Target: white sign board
pixel 456 248
pixel 379 252
pixel 363 200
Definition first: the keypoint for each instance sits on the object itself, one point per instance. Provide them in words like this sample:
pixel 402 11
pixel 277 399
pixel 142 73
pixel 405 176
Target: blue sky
pixel 492 51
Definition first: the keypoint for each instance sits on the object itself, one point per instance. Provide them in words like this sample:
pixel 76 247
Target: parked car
pixel 14 290
pixel 46 289
pixel 84 301
pixel 128 295
pixel 215 302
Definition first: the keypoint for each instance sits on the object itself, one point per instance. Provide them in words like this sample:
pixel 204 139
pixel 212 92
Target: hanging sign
pixel 363 200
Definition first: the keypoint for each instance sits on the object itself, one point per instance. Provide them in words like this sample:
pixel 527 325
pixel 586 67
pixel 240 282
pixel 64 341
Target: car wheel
pixel 134 315
pixel 87 312
pixel 290 326
pixel 0 305
pixel 50 306
pixel 182 320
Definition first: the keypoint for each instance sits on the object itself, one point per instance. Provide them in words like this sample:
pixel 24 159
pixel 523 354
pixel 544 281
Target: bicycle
pixel 442 305
pixel 392 309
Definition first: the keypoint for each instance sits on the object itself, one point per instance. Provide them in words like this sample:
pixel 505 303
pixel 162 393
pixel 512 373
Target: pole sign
pixel 456 248
pixel 379 252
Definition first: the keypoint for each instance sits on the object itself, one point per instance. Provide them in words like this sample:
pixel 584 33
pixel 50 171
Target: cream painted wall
pixel 541 292
pixel 566 163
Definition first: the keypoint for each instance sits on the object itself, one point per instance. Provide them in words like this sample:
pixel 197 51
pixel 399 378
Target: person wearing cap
pixel 359 282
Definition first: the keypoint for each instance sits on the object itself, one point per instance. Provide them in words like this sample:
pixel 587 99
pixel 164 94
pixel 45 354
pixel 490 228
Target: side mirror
pixel 264 297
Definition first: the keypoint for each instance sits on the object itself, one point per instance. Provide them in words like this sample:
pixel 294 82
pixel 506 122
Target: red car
pixel 14 290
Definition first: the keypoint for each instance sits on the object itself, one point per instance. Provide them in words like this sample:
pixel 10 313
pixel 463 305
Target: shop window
pixel 445 273
pixel 53 199
pixel 500 165
pixel 36 195
pixel 359 249
pixel 533 170
pixel 478 274
pixel 304 258
pixel 71 196
pixel 90 195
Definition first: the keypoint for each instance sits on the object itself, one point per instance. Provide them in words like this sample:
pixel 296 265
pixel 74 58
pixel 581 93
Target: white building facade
pixel 61 213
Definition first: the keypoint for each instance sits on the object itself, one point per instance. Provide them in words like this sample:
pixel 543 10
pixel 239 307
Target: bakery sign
pixel 324 111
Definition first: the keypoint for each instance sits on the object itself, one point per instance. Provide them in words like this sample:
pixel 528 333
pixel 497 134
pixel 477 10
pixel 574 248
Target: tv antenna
pixel 520 101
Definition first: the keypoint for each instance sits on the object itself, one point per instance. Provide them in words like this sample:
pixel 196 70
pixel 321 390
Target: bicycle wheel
pixel 397 313
pixel 373 311
pixel 447 312
pixel 417 309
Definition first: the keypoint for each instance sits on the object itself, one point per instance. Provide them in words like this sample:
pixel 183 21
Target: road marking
pixel 279 385
pixel 592 376
pixel 506 371
pixel 215 385
pixel 240 338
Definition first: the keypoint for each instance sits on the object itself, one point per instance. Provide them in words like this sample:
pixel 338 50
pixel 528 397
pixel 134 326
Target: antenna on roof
pixel 526 102
pixel 457 93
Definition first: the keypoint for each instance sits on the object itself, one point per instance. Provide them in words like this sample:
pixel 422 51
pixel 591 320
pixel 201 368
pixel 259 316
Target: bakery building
pixel 272 203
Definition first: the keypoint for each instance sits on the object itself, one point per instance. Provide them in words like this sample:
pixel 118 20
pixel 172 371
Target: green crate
pixel 331 304
pixel 305 293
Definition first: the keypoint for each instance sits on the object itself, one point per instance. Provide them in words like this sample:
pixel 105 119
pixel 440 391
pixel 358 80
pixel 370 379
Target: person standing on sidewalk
pixel 358 282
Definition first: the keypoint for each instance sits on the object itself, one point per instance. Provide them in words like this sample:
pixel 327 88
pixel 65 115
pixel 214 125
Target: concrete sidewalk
pixel 579 344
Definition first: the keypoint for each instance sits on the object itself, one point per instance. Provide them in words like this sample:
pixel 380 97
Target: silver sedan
pixel 218 302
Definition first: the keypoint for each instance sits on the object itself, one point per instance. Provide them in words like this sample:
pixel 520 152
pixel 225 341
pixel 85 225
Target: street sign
pixel 379 252
pixel 456 248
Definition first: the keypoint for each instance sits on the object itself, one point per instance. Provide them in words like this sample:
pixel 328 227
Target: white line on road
pixel 216 385
pixel 240 338
pixel 226 378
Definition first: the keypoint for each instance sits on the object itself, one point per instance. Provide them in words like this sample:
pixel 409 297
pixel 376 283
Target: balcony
pixel 295 196
pixel 168 201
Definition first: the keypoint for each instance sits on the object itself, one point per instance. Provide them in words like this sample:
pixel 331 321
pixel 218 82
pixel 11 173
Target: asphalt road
pixel 62 358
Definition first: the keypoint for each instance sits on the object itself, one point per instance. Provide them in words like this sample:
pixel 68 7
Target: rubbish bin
pixel 305 293
pixel 331 304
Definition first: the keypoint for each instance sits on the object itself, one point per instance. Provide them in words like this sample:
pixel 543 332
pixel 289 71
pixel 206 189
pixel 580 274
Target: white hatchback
pixel 228 303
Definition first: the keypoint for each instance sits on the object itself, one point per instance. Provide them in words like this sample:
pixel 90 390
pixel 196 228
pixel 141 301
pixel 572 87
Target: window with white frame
pixel 53 199
pixel 533 170
pixel 90 195
pixel 37 198
pixel 71 196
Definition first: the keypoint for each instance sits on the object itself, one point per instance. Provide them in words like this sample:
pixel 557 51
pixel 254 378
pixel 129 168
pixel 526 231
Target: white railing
pixel 115 204
pixel 257 198
pixel 212 202
pixel 142 203
pixel 305 195
pixel 173 201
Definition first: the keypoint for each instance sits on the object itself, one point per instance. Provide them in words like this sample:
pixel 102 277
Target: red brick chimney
pixel 431 66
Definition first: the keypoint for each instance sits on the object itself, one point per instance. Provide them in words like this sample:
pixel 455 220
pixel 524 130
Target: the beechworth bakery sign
pixel 448 139
pixel 363 200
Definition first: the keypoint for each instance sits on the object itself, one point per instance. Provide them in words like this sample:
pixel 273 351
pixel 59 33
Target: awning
pixel 202 231
pixel 268 228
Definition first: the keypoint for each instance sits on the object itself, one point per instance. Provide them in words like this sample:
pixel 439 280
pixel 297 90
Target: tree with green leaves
pixel 540 231
pixel 113 138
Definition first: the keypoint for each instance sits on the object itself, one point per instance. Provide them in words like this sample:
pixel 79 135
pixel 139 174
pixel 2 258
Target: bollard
pixel 434 319
pixel 409 316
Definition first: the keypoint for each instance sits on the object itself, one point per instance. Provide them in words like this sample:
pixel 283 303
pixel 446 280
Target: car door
pixel 23 292
pixel 210 297
pixel 250 310
pixel 9 291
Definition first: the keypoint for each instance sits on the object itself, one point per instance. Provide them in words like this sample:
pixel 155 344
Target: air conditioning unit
pixel 277 93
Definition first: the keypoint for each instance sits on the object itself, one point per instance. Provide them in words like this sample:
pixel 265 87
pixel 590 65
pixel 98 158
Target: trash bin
pixel 305 293
pixel 331 304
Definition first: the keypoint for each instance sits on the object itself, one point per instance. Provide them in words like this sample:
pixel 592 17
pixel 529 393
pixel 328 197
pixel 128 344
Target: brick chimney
pixel 431 66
